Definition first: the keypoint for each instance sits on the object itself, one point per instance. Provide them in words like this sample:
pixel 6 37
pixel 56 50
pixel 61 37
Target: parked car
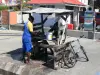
pixel 97 18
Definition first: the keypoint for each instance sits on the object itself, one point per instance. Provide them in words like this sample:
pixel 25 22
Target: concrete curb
pixel 19 68
pixel 9 65
pixel 73 33
pixel 87 34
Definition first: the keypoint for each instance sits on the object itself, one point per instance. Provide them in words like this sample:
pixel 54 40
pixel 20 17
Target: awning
pixel 47 10
pixel 76 2
pixel 44 1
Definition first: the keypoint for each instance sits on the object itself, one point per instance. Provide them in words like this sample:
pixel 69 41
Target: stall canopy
pixel 47 10
pixel 76 2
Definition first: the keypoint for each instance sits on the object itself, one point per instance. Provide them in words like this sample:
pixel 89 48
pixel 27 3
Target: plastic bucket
pixel 49 36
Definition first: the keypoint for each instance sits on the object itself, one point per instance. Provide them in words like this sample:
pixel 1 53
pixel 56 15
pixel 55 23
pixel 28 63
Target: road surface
pixel 11 40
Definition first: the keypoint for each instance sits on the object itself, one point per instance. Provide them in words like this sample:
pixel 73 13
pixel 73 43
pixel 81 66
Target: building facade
pixel 63 4
pixel 9 2
pixel 84 1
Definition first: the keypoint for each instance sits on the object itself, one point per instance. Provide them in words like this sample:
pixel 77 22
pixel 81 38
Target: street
pixel 85 68
pixel 11 40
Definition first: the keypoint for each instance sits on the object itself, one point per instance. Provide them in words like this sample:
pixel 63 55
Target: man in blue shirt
pixel 26 39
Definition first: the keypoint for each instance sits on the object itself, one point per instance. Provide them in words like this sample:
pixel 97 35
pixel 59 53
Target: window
pixel 42 6
pixel 69 7
pixel 48 6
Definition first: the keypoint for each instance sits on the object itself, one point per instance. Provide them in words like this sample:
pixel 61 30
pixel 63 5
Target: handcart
pixel 54 46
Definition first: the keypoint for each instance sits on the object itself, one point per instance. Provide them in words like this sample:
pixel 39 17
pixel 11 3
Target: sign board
pixel 88 20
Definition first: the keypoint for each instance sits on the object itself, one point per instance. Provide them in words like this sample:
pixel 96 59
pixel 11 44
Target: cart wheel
pixel 69 59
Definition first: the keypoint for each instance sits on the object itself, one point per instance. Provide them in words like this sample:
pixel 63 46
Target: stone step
pixel 9 66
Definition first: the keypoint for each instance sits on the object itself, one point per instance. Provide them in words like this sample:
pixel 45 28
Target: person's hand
pixel 35 33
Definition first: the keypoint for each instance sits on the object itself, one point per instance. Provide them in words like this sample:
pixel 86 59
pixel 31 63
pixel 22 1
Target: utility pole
pixel 94 26
pixel 8 15
pixel 91 3
pixel 21 4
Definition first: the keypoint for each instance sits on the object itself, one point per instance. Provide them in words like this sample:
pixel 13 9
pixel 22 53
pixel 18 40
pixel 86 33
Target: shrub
pixel 3 7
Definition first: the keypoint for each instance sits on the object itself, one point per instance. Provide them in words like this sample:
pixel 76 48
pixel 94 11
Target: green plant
pixel 24 3
pixel 3 7
pixel 16 9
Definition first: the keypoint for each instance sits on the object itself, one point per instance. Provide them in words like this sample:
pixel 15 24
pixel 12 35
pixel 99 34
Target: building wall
pixel 76 17
pixel 25 17
pixel 60 6
pixel 84 1
pixel 9 2
pixel 13 18
pixel 5 17
pixel 8 18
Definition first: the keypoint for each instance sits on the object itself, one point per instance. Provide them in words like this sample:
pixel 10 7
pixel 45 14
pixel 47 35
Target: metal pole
pixel 94 30
pixel 21 3
pixel 91 3
pixel 8 17
pixel 93 21
pixel 9 20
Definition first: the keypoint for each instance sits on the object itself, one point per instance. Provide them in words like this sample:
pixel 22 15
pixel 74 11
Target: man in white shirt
pixel 62 24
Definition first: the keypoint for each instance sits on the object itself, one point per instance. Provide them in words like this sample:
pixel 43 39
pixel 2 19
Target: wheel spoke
pixel 69 59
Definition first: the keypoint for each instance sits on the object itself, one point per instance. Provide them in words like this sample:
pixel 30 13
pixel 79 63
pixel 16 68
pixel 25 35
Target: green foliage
pixel 16 9
pixel 24 5
pixel 3 8
pixel 30 7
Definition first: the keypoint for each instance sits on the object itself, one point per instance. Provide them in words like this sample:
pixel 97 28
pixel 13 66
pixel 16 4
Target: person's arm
pixel 30 27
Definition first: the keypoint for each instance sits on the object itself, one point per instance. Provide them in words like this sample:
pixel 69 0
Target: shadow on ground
pixel 16 54
pixel 39 60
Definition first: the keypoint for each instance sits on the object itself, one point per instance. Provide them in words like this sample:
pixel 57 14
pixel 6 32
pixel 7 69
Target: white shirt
pixel 62 21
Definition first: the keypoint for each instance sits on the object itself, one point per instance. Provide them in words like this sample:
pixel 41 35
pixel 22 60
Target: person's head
pixel 31 19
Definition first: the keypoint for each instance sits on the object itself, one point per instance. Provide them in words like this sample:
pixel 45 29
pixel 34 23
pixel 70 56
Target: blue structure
pixel 88 20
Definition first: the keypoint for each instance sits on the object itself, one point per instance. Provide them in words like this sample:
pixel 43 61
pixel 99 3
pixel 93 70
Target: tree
pixel 23 4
